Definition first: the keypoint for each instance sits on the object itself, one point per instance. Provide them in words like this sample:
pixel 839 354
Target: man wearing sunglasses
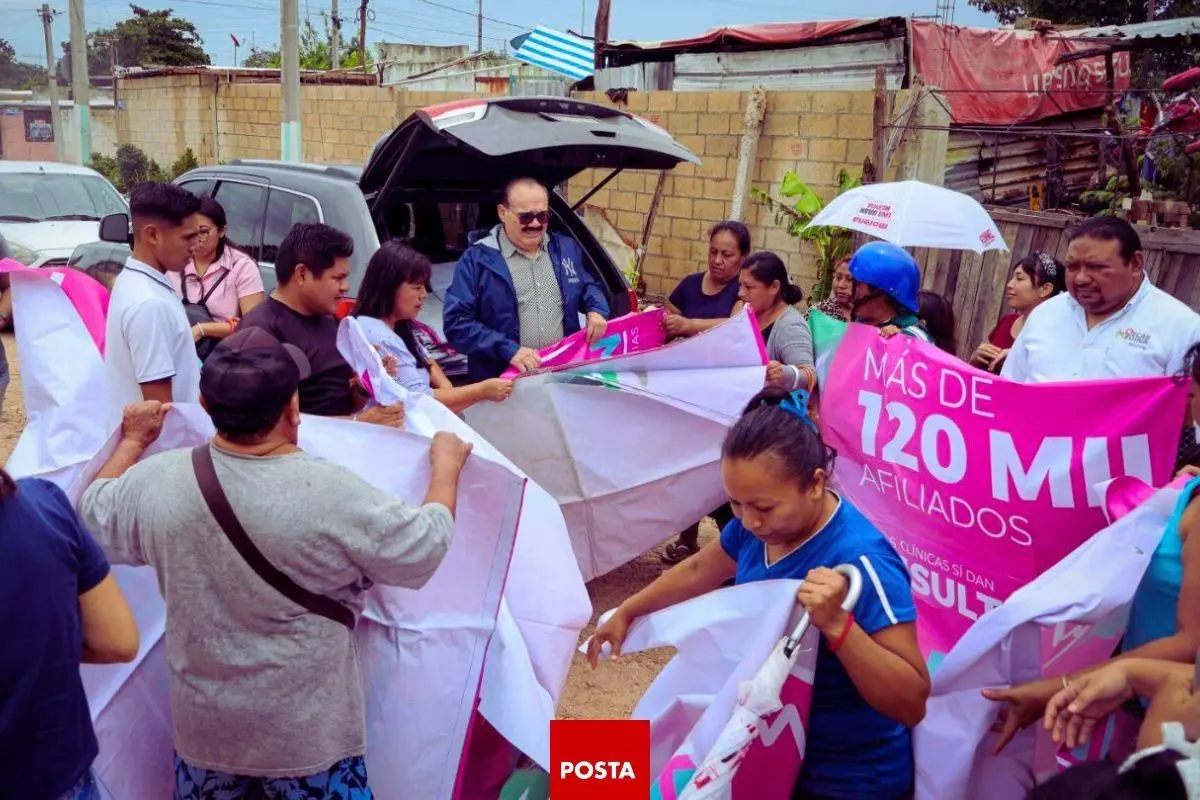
pixel 520 289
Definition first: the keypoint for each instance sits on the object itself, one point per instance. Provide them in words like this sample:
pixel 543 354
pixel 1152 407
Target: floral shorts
pixel 345 780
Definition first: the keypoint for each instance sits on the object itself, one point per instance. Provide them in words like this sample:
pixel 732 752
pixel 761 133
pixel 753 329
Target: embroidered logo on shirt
pixel 569 268
pixel 1136 338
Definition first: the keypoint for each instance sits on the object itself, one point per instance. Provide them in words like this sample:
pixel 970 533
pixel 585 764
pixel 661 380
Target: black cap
pixel 252 370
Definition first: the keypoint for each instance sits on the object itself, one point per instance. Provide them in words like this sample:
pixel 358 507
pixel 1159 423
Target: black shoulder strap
pixel 218 504
pixel 204 297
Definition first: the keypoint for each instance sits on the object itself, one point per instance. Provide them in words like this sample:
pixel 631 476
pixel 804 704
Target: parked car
pixel 47 209
pixel 434 182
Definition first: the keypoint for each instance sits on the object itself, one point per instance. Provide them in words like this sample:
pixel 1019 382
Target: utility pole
pixel 79 81
pixel 335 31
pixel 600 35
pixel 362 34
pixel 55 120
pixel 289 47
pixel 583 18
pixel 479 26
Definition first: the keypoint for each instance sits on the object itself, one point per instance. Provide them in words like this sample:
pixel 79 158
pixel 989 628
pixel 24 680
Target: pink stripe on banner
pixel 87 295
pixel 762 344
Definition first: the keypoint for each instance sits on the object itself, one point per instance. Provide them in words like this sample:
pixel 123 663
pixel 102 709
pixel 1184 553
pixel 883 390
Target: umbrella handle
pixel 853 592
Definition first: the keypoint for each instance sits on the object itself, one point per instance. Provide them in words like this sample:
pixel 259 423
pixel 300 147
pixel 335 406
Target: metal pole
pixel 362 35
pixel 583 18
pixel 479 26
pixel 55 118
pixel 79 82
pixel 335 46
pixel 289 45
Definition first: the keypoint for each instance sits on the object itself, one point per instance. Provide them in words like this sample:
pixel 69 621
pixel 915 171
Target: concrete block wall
pixel 165 115
pixel 814 133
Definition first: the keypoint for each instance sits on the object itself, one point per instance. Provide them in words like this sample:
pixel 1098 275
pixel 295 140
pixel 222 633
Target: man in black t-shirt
pixel 312 266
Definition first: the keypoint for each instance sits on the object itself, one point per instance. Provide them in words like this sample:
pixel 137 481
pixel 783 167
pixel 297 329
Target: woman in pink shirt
pixel 221 278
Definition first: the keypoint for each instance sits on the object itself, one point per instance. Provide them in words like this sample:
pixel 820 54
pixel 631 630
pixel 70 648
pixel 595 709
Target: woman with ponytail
pixel 767 288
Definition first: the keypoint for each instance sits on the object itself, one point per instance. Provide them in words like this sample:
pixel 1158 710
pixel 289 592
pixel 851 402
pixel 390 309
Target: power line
pixel 473 15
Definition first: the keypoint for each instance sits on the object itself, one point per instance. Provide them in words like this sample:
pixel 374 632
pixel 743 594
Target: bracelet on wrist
pixel 841 639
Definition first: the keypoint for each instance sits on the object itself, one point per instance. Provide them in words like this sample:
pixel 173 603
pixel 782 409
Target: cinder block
pixel 781 102
pixel 692 101
pixel 662 101
pixel 855 126
pixel 725 146
pixel 785 123
pixel 832 102
pixel 717 189
pixel 827 150
pixel 817 125
pixel 710 211
pixel 682 123
pixel 619 200
pixel 677 207
pixel 726 101
pixel 789 148
pixel 713 123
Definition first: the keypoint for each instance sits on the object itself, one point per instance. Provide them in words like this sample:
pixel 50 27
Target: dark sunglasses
pixel 527 218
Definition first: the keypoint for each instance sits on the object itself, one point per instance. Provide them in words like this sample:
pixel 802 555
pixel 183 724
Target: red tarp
pixel 776 33
pixel 1002 77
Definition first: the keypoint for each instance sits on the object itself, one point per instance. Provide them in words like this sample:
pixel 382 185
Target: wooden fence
pixel 975 283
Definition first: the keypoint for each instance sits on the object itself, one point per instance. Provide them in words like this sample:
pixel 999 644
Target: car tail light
pixel 634 302
pixel 345 306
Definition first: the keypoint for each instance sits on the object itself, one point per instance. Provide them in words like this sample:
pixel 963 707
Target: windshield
pixel 38 196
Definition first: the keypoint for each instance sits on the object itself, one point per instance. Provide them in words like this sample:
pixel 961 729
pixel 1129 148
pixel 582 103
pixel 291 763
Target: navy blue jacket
pixel 480 319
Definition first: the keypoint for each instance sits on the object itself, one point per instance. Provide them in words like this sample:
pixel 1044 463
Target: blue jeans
pixel 345 780
pixel 85 789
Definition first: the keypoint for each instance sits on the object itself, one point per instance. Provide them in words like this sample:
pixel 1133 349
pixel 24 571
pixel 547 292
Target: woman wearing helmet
pixel 886 282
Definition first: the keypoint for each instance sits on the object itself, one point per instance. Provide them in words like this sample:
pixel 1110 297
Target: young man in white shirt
pixel 1112 323
pixel 150 353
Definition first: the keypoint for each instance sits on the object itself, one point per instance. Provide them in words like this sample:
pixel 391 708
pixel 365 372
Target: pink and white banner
pixel 983 484
pixel 631 333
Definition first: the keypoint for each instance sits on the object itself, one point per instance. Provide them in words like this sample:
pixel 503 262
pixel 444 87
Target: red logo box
pixel 599 758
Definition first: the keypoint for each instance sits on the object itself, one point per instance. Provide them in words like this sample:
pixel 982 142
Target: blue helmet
pixel 891 270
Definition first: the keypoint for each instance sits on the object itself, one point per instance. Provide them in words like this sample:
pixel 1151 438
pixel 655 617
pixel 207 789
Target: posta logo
pixel 599 758
pixel 1134 337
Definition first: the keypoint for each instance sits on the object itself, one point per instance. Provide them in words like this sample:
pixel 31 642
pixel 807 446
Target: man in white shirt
pixel 1112 323
pixel 150 353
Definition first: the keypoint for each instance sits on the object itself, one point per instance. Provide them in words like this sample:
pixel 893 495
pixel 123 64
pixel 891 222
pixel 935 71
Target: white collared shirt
pixel 148 339
pixel 1147 338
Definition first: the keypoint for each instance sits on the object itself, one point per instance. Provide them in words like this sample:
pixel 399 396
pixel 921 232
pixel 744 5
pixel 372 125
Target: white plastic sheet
pixel 544 603
pixel 630 446
pixel 1087 593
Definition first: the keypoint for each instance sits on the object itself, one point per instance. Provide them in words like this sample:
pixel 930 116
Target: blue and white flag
pixel 558 52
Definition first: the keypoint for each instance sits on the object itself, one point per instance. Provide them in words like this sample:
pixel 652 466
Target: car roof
pixel 350 172
pixel 54 167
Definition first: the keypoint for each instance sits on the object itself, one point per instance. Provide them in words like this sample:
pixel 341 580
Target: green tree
pixel 16 74
pixel 315 52
pixel 146 39
pixel 1083 12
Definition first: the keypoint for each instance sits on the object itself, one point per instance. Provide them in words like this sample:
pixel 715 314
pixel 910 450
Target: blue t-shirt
pixel 853 750
pixel 693 303
pixel 1154 614
pixel 47 560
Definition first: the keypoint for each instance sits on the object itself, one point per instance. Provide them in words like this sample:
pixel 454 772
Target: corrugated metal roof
pixel 834 67
pixel 1156 29
pixel 998 167
pixel 651 76
pixel 769 34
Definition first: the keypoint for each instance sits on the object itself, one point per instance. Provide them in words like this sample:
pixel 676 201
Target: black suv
pixel 434 182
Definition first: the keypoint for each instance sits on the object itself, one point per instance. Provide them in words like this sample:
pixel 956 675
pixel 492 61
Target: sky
pixel 453 21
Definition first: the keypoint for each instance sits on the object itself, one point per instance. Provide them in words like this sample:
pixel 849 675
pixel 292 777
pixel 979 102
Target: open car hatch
pixel 481 144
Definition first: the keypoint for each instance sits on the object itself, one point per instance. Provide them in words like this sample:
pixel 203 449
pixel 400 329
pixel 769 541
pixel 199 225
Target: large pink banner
pixel 983 484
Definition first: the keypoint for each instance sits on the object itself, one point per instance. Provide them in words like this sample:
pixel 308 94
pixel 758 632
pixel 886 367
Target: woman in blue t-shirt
pixel 871 681
pixel 59 606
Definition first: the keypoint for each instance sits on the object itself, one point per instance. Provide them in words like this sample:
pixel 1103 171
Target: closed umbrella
pixel 752 738
pixel 914 214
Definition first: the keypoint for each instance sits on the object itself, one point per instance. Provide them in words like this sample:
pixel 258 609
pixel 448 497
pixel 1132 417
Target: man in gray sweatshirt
pixel 266 695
